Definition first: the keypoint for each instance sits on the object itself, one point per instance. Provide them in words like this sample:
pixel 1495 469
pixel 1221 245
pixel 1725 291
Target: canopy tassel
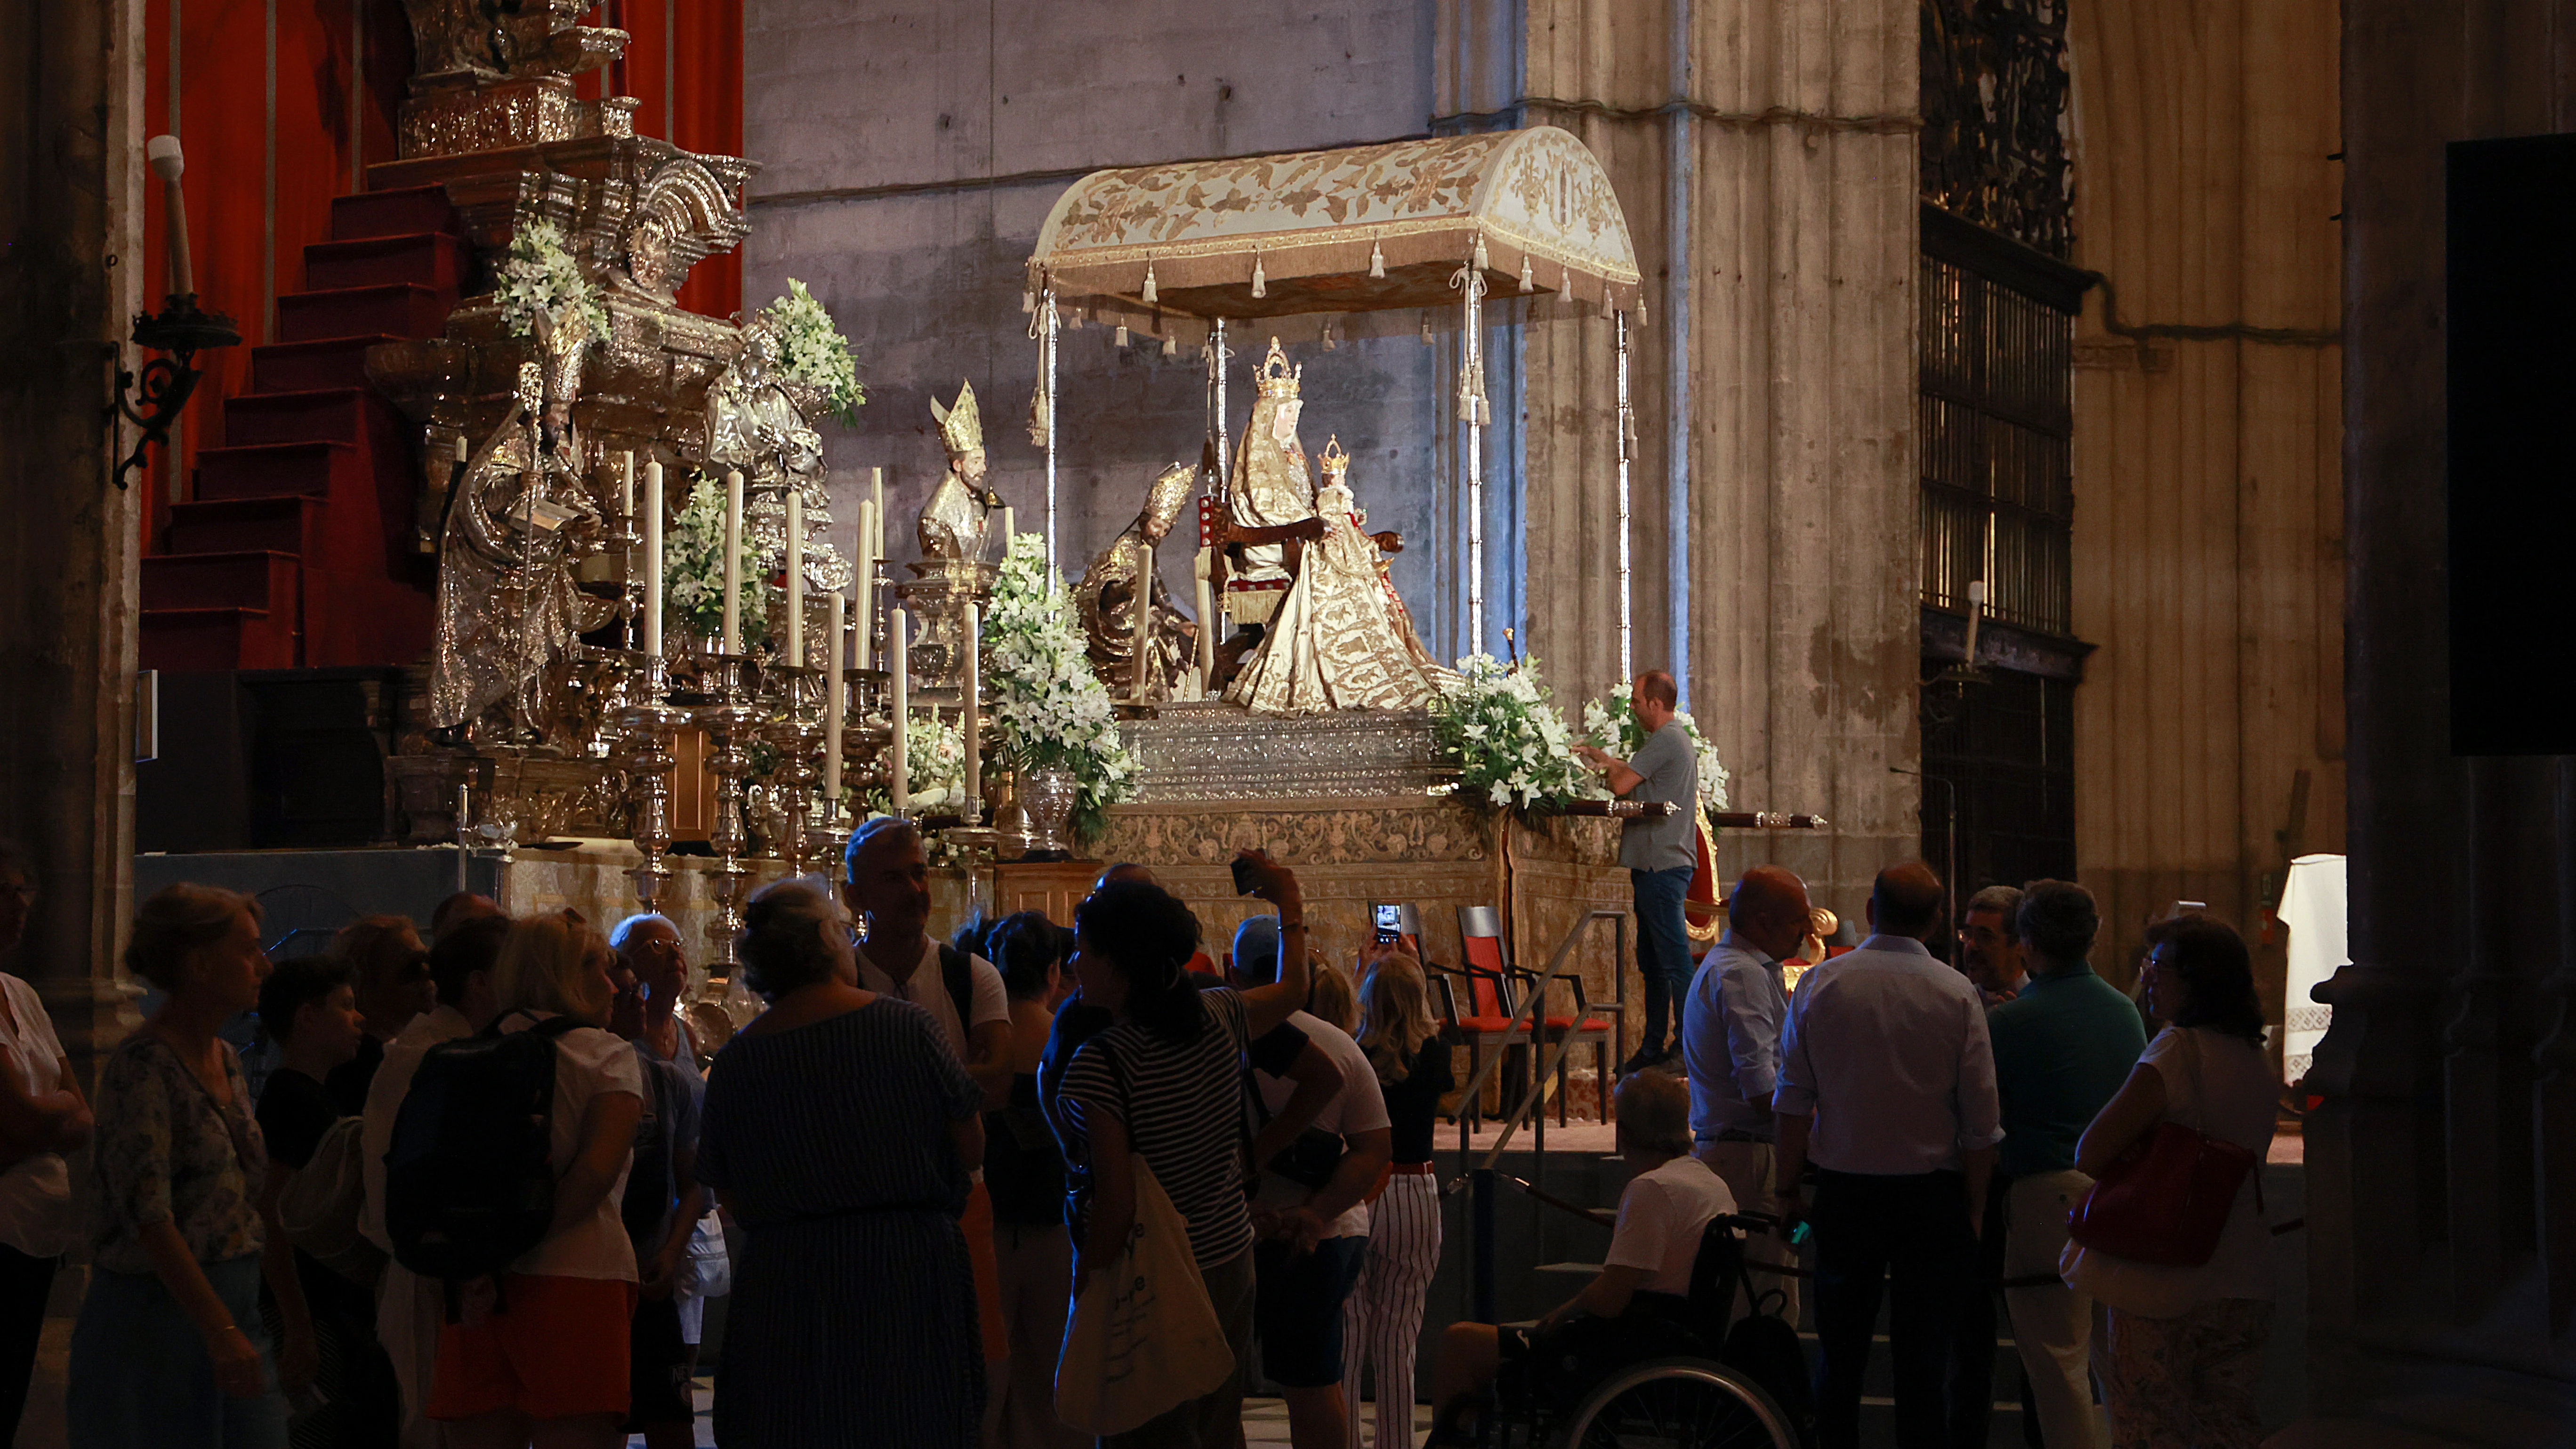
pixel 1149 294
pixel 1122 334
pixel 1641 309
pixel 1171 347
pixel 1260 282
pixel 1483 262
pixel 1525 272
pixel 1028 300
pixel 1377 261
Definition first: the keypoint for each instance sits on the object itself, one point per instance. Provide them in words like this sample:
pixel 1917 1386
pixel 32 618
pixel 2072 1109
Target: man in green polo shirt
pixel 2062 1049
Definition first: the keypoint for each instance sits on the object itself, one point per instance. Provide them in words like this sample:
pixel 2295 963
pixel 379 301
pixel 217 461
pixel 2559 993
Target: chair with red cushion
pixel 1483 1026
pixel 1480 932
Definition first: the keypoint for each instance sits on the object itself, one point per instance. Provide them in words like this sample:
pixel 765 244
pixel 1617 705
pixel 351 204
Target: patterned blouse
pixel 163 1152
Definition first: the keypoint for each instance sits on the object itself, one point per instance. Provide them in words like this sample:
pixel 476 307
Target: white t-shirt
pixel 928 989
pixel 1360 1106
pixel 1661 1217
pixel 35 1194
pixel 2221 1086
pixel 385 1093
pixel 589 1063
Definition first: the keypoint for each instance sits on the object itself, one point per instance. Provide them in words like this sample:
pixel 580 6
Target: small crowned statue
pixel 1270 492
pixel 1108 599
pixel 960 508
pixel 518 523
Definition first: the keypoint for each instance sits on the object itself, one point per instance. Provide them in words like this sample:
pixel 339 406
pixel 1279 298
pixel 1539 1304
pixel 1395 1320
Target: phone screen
pixel 1390 922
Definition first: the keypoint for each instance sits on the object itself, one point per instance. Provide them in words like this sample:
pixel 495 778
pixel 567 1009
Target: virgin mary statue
pixel 1342 638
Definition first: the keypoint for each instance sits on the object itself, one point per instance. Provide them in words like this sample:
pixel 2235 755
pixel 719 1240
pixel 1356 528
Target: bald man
pixel 1731 1044
pixel 1887 1086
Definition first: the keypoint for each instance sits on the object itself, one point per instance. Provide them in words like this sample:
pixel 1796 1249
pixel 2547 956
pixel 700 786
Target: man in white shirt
pixel 1315 1232
pixel 1663 1212
pixel 1887 1084
pixel 408 1316
pixel 885 881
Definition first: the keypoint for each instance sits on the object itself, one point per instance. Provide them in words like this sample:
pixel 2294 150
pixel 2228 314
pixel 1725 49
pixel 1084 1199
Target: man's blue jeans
pixel 1663 948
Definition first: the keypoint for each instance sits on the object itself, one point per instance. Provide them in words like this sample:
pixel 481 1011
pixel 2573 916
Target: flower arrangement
pixel 1500 726
pixel 538 277
pixel 934 769
pixel 811 350
pixel 1052 710
pixel 693 571
pixel 1611 723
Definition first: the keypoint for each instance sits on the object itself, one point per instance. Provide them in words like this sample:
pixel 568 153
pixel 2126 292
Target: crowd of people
pixel 937 1158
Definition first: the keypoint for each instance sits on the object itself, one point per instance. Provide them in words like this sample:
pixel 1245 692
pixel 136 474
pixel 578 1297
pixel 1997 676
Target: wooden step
pixel 195 640
pixel 322 363
pixel 283 523
pixel 263 470
pixel 431 259
pixel 404 309
pixel 261 579
pixel 340 414
pixel 396 212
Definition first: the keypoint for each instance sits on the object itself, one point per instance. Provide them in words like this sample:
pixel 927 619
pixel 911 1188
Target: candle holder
pixel 797 734
pixel 731 721
pixel 649 722
pixel 179 333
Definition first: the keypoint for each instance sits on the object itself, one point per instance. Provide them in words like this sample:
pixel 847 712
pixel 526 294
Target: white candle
pixel 1007 534
pixel 626 487
pixel 834 701
pixel 1207 629
pixel 1143 635
pixel 876 496
pixel 168 162
pixel 898 773
pixel 653 557
pixel 731 643
pixel 864 578
pixel 973 724
pixel 795 576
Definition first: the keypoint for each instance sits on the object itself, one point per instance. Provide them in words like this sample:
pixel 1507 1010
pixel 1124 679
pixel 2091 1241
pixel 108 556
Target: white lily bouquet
pixel 1498 724
pixel 539 277
pixel 812 351
pixel 693 571
pixel 1051 709
pixel 934 775
pixel 1611 723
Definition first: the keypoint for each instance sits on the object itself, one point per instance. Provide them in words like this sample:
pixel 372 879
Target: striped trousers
pixel 1383 1316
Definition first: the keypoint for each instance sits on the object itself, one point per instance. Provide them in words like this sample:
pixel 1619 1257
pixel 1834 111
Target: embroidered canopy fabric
pixel 1362 229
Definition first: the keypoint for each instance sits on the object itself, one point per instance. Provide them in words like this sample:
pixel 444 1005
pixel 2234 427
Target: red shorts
pixel 558 1349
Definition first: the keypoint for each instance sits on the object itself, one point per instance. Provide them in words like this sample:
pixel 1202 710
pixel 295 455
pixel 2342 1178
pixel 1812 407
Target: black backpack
pixel 469 1184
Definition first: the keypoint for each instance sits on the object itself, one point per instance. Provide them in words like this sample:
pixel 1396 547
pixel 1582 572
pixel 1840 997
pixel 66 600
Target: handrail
pixel 1541 1074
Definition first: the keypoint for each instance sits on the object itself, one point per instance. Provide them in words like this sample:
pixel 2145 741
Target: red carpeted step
pixel 286 523
pixel 301 366
pixel 262 470
pixel 431 259
pixel 340 414
pixel 252 579
pixel 402 308
pixel 398 212
pixel 188 640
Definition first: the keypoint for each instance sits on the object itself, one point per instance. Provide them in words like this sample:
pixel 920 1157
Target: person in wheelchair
pixel 1639 1304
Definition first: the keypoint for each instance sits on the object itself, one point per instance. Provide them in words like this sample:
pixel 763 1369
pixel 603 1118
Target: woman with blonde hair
pixel 547 1362
pixel 170 1349
pixel 1332 998
pixel 1383 1315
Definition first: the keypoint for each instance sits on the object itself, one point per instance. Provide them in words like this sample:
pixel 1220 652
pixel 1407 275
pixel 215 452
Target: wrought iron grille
pixel 1995 88
pixel 1995 425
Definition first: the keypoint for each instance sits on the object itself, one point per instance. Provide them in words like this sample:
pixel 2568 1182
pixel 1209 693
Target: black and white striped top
pixel 1182 1103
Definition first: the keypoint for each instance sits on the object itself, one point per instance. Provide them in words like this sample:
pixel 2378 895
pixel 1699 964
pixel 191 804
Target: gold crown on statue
pixel 1275 377
pixel 1335 461
pixel 960 429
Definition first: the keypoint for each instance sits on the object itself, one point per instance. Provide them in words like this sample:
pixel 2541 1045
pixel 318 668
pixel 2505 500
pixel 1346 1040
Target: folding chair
pixel 1480 932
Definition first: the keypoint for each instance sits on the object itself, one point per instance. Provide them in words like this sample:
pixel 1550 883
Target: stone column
pixel 1787 268
pixel 71 185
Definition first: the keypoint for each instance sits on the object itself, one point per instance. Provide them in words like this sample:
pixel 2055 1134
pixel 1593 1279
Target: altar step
pixel 314 474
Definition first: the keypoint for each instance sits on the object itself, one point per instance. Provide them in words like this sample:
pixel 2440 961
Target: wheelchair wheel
pixel 1680 1403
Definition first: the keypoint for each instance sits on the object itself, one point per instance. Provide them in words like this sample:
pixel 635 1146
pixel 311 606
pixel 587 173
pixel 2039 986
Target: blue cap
pixel 1256 950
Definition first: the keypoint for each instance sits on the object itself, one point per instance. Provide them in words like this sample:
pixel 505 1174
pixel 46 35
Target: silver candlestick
pixel 731 721
pixel 797 734
pixel 648 722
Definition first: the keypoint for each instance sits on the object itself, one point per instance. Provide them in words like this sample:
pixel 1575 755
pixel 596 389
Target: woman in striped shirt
pixel 1165 1082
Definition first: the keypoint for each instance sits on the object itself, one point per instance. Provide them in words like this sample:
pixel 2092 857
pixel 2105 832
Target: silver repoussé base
pixel 1216 751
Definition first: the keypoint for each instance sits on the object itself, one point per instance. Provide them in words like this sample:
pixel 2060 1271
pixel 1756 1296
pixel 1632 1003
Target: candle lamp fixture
pixel 731 719
pixel 161 390
pixel 797 734
pixel 648 722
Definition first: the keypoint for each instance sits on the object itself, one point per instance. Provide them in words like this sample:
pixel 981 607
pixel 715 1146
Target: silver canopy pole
pixel 1627 425
pixel 1470 282
pixel 1047 345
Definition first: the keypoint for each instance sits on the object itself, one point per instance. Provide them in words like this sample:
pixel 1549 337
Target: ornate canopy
pixel 1363 229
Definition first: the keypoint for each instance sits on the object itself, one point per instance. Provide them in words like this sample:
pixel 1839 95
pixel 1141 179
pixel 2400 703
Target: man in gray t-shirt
pixel 1657 852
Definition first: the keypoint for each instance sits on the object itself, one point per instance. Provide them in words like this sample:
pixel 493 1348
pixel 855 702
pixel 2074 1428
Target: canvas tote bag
pixel 1143 1338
